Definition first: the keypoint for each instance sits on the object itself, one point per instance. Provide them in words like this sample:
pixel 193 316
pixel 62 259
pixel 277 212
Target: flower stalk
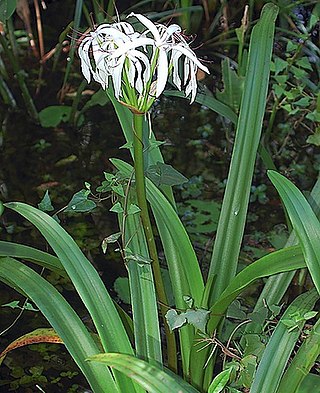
pixel 145 218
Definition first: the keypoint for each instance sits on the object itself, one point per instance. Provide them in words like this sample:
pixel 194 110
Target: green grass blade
pixel 143 296
pixel 302 362
pixel 304 221
pixel 209 101
pixel 280 346
pixel 235 203
pixel 48 261
pixel 62 318
pixel 151 378
pixel 86 281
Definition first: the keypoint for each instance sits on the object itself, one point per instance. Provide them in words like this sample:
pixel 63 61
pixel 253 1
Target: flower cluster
pixel 139 63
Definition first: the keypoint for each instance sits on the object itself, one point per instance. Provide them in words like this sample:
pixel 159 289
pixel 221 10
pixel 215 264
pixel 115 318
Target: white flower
pixel 139 63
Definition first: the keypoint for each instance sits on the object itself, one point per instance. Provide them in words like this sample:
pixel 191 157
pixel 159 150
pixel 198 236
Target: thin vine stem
pixel 145 218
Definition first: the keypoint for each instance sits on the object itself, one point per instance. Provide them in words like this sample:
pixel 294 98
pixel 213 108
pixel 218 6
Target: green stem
pixel 144 214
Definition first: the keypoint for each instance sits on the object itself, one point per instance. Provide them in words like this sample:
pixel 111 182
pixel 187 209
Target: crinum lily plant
pixel 139 64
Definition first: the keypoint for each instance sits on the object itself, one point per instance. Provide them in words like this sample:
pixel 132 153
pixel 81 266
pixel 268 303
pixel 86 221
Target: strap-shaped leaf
pixel 15 250
pixel 61 317
pixel 182 262
pixel 142 293
pixel 151 378
pixel 304 222
pixel 302 362
pixel 287 259
pixel 85 279
pixel 281 344
pixel 166 215
pixel 235 203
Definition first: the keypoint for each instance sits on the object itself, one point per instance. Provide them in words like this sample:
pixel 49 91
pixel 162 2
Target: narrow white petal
pixel 190 55
pixel 139 84
pixel 186 70
pixel 191 87
pixel 125 27
pixel 175 72
pixel 144 60
pixel 172 29
pixel 117 77
pixel 131 72
pixel 162 72
pixel 125 47
pixel 148 24
pixel 109 31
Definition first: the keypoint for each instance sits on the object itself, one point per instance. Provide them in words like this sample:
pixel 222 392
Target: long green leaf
pixel 304 221
pixel 164 213
pixel 231 224
pixel 274 263
pixel 302 362
pixel 277 285
pixel 86 281
pixel 180 287
pixel 185 274
pixel 48 261
pixel 62 318
pixel 280 346
pixel 143 296
pixel 151 378
pixel 9 249
pixel 235 203
pixel 209 101
pixel 287 259
pixel 311 383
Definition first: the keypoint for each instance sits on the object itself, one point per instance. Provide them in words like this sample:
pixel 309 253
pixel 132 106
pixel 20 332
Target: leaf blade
pixel 304 222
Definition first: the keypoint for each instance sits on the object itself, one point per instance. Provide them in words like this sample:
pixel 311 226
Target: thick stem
pixel 144 214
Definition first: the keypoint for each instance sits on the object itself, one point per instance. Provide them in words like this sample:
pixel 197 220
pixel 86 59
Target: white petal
pixel 162 72
pixel 131 72
pixel 117 77
pixel 175 72
pixel 191 87
pixel 109 31
pixel 125 47
pixel 139 84
pixel 186 70
pixel 149 25
pixel 190 55
pixel 124 26
pixel 143 59
pixel 172 29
